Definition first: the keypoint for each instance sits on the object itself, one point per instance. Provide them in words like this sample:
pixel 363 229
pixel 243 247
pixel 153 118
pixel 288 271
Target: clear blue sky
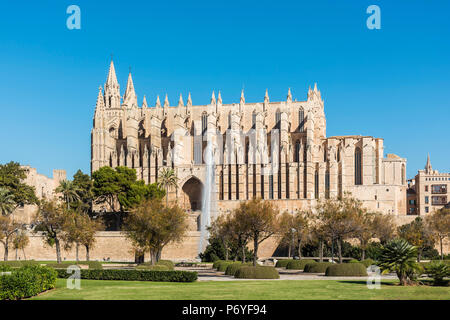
pixel 392 83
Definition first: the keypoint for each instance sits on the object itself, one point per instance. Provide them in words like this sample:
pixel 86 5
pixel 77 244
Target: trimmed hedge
pixel 259 272
pixel 346 269
pixel 282 263
pixel 368 262
pixel 156 267
pixel 233 267
pixel 133 275
pixel 26 282
pixel 65 265
pixel 299 264
pixel 170 265
pixel 317 267
pixel 19 263
pixel 223 265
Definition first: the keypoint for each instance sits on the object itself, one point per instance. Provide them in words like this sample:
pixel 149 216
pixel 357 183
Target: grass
pixel 239 290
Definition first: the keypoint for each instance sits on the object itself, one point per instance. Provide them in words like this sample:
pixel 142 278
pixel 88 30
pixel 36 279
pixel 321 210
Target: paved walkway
pixel 209 274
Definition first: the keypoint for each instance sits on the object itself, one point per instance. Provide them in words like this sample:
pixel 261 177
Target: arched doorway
pixel 192 194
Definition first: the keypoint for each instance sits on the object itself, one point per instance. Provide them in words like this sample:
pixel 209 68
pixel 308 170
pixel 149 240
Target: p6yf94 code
pixel 246 309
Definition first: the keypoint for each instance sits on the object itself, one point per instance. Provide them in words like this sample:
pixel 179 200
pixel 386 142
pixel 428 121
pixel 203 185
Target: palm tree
pixel 69 191
pixel 400 257
pixel 166 179
pixel 7 203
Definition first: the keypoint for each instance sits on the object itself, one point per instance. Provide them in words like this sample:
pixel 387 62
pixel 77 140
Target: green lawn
pixel 235 290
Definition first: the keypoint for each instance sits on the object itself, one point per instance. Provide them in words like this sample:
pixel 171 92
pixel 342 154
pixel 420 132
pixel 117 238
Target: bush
pixel 317 267
pixel 5 268
pixel 298 264
pixel 282 263
pixel 169 264
pixel 156 267
pixel 19 263
pixel 353 261
pixel 233 267
pixel 346 269
pixel 134 275
pixel 222 266
pixel 259 272
pixel 368 262
pixel 26 282
pixel 438 271
pixel 65 264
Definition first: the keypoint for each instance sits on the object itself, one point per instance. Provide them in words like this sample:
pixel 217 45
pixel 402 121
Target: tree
pixel 8 229
pixel 7 203
pixel 260 219
pixel 84 186
pixel 166 180
pixel 51 220
pixel 296 228
pixel 338 218
pixel 79 229
pixel 384 227
pixel 418 235
pixel 400 256
pixel 221 228
pixel 438 224
pixel 12 177
pixel 20 241
pixel 151 226
pixel 119 186
pixel 69 192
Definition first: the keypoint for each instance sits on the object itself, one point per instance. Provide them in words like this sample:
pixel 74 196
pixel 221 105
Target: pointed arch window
pixel 204 122
pixel 358 166
pixel 253 120
pixel 297 151
pixel 301 120
pixel 327 184
pixel 316 184
pixel 229 120
pixel 277 119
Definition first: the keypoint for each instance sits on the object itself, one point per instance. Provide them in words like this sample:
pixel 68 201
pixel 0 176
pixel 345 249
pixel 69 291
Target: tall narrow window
pixel 316 184
pixel 301 120
pixel 204 122
pixel 277 119
pixel 271 187
pixel 253 120
pixel 327 185
pixel 358 167
pixel 229 120
pixel 297 151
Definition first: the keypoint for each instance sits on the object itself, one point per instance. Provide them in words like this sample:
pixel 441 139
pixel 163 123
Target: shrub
pixel 282 263
pixel 438 271
pixel 222 266
pixel 26 282
pixel 346 269
pixel 134 275
pixel 65 264
pixel 317 267
pixel 216 264
pixel 259 272
pixel 19 263
pixel 368 262
pixel 298 264
pixel 169 264
pixel 156 267
pixel 233 267
pixel 5 268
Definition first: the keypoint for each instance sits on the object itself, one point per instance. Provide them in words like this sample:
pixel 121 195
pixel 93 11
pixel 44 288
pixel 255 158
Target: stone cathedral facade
pixel 278 151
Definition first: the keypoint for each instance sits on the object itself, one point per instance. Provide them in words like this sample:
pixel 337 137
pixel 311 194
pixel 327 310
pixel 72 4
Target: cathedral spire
pixel 266 96
pixel 213 98
pixel 144 102
pixel 180 101
pixel 130 98
pixel 289 96
pixel 166 102
pixel 189 101
pixel 112 88
pixel 219 98
pixel 158 102
pixel 428 167
pixel 242 101
pixel 100 98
